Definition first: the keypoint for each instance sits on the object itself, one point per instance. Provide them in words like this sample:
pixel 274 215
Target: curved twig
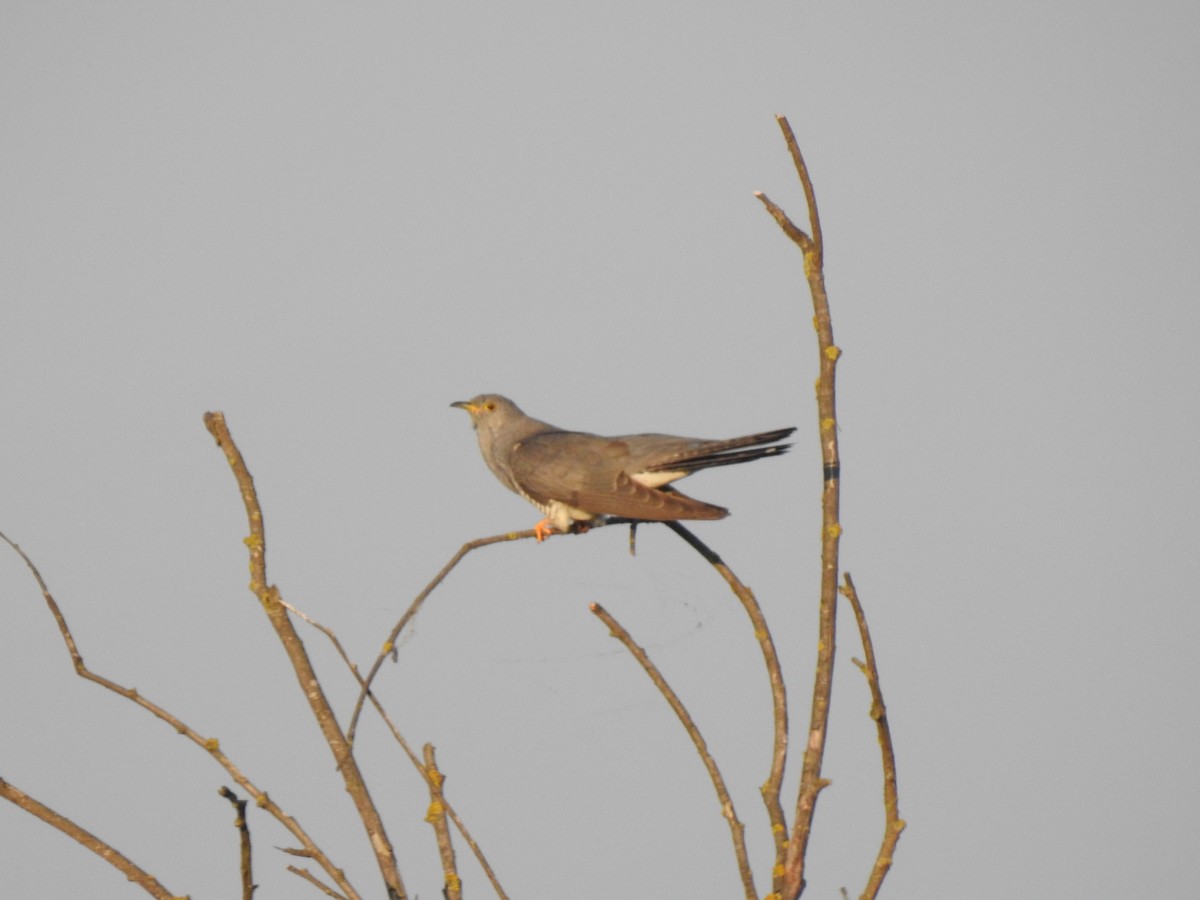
pixel 736 828
pixel 779 746
pixel 894 825
pixel 389 644
pixel 270 598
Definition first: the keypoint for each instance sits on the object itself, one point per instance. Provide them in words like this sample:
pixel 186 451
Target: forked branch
pixel 811 782
pixel 421 767
pixel 270 598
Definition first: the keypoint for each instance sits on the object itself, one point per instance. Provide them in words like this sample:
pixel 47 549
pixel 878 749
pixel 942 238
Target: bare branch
pixel 389 645
pixel 779 745
pixel 312 879
pixel 811 782
pixel 894 825
pixel 270 598
pixel 243 828
pixel 476 850
pixel 437 818
pixel 790 228
pixel 736 828
pixel 110 855
pixel 210 745
pixel 810 196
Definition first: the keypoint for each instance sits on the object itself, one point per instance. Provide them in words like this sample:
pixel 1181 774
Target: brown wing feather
pixel 588 472
pixel 635 501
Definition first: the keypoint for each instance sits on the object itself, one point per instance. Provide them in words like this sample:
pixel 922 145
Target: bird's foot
pixel 545 528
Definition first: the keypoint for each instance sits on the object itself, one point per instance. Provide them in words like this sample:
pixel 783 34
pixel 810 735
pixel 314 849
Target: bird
pixel 577 477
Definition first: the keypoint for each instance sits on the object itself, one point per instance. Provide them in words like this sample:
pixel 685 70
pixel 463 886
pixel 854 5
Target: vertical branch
pixel 811 782
pixel 893 824
pixel 437 818
pixel 270 598
pixel 243 828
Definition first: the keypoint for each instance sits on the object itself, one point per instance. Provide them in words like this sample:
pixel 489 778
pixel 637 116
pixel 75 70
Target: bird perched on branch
pixel 573 476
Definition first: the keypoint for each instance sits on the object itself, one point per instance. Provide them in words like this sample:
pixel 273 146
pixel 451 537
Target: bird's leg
pixel 546 527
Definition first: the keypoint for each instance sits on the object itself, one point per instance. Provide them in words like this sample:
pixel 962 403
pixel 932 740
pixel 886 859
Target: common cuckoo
pixel 572 476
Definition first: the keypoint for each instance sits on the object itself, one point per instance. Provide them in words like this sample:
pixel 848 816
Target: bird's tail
pixel 708 454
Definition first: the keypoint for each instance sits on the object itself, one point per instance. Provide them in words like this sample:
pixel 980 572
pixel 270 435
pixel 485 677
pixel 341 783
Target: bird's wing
pixel 590 473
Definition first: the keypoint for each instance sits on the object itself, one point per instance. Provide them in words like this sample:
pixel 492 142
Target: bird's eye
pixel 489 406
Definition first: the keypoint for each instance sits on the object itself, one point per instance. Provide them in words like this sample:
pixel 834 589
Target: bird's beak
pixel 471 408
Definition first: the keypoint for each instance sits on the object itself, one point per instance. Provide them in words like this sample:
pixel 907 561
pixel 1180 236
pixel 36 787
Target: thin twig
pixel 270 598
pixel 389 644
pixel 209 745
pixel 811 782
pixel 476 850
pixel 312 879
pixel 893 825
pixel 110 855
pixel 779 745
pixel 736 828
pixel 437 818
pixel 243 828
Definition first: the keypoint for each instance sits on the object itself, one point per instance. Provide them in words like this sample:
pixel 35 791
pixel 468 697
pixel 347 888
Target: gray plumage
pixel 572 476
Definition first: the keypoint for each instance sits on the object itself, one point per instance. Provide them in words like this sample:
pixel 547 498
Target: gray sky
pixel 330 221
